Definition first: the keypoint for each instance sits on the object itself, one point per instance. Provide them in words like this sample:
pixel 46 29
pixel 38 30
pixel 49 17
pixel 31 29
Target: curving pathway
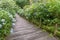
pixel 24 30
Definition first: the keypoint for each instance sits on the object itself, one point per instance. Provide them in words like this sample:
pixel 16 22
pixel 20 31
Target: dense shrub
pixel 9 5
pixel 20 12
pixel 6 20
pixel 8 8
pixel 22 3
pixel 47 14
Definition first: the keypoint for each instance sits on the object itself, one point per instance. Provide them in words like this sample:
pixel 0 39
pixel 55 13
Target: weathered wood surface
pixel 24 30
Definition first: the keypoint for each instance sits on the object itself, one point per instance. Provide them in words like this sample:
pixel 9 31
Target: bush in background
pixel 5 24
pixel 47 15
pixel 9 5
pixel 22 3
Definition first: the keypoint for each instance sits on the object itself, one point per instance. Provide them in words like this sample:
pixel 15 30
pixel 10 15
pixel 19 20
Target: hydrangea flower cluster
pixel 2 22
pixel 13 21
pixel 7 22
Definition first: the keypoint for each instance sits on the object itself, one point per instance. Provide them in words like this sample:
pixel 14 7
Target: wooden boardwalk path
pixel 24 30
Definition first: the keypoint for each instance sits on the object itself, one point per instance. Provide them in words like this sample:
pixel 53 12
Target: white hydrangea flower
pixel 26 17
pixel 0 25
pixel 13 24
pixel 13 20
pixel 11 16
pixel 48 20
pixel 2 20
pixel 11 30
pixel 3 23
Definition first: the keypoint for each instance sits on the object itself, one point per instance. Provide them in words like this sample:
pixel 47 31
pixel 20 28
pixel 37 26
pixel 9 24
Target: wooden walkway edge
pixel 24 30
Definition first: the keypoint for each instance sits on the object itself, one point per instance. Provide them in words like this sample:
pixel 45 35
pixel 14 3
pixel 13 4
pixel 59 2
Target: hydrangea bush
pixel 6 20
pixel 22 3
pixel 9 5
pixel 8 9
pixel 46 15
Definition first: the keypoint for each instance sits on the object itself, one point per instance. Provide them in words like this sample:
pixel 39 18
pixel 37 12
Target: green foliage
pixel 47 14
pixel 8 8
pixel 58 33
pixel 5 24
pixel 9 5
pixel 21 12
pixel 22 3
